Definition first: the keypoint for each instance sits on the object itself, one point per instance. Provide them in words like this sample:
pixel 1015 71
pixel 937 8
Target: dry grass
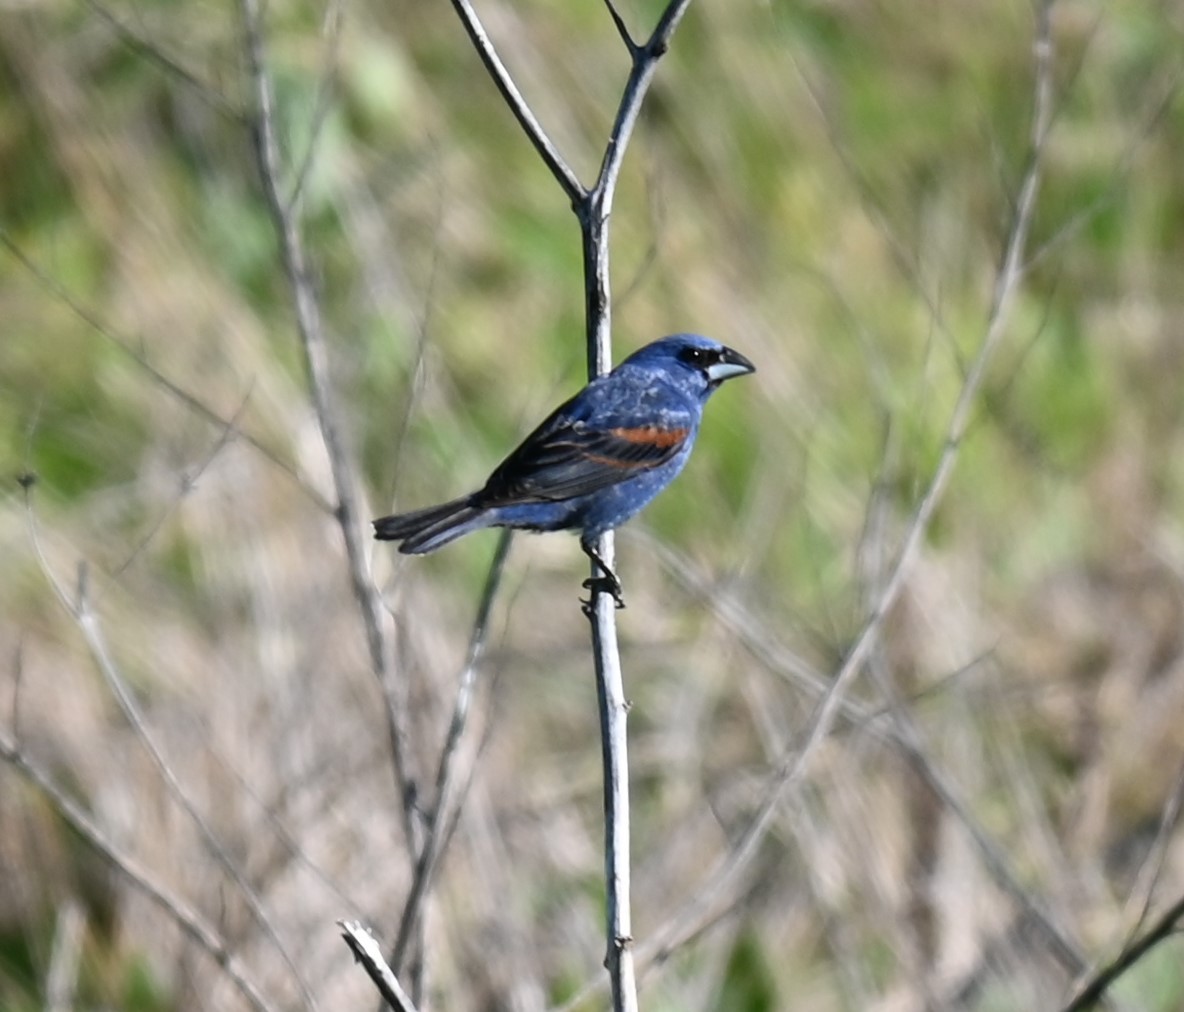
pixel 827 188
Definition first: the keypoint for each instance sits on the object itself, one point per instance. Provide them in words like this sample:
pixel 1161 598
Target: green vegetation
pixel 827 187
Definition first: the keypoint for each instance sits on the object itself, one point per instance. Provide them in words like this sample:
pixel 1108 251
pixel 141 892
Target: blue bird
pixel 596 460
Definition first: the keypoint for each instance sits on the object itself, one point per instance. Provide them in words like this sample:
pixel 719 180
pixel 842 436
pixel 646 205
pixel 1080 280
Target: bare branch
pixel 323 103
pixel 645 65
pixel 594 214
pixel 593 209
pixel 187 483
pixel 1149 874
pixel 614 710
pixel 526 118
pixel 1095 989
pixel 622 29
pixel 367 951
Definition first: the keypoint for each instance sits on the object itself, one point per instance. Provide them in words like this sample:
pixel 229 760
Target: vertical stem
pixel 610 687
pixel 593 215
pixel 614 709
pixel 592 208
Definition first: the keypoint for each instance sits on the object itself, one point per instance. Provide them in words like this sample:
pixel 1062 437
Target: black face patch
pixel 700 358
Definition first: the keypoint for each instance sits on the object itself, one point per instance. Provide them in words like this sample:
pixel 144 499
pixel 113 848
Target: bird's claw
pixel 607 584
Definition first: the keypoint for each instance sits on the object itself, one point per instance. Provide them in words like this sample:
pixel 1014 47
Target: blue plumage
pixel 596 460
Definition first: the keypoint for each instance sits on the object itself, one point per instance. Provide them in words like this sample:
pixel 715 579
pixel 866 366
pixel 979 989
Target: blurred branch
pixel 1152 868
pixel 189 921
pixel 436 836
pixel 192 401
pixel 1157 111
pixel 143 46
pixel 188 482
pixel 891 724
pixel 907 736
pixel 61 982
pixel 80 611
pixel 322 103
pixel 1094 990
pixel 285 220
pixel 367 951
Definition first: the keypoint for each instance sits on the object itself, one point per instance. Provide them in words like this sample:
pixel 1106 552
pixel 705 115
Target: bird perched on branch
pixel 596 460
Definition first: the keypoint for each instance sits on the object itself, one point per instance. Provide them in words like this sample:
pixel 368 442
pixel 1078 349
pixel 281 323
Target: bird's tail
pixel 425 530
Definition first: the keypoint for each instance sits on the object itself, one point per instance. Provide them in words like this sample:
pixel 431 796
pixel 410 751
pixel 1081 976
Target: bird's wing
pixel 569 455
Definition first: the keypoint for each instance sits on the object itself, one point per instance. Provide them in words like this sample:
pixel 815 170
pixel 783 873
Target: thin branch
pixel 436 837
pixel 526 118
pixel 645 65
pixel 622 29
pixel 188 920
pixel 906 735
pixel 322 104
pixel 143 46
pixel 367 951
pixel 614 711
pixel 1152 868
pixel 1168 923
pixel 738 619
pixel 595 210
pixel 313 343
pixel 1119 174
pixel 188 482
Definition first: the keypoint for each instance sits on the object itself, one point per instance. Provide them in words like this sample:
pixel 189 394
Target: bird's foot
pixel 606 584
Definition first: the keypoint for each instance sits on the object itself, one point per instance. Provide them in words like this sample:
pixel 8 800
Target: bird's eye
pixel 699 357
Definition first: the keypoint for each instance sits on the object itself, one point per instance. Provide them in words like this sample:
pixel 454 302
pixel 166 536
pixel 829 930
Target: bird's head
pixel 698 361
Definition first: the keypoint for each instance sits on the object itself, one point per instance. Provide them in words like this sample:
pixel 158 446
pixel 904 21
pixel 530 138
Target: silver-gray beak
pixel 731 363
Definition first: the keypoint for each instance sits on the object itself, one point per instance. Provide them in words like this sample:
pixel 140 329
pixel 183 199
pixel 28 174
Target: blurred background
pixel 825 186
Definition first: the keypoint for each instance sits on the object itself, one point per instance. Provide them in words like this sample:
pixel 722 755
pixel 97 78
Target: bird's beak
pixel 731 363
